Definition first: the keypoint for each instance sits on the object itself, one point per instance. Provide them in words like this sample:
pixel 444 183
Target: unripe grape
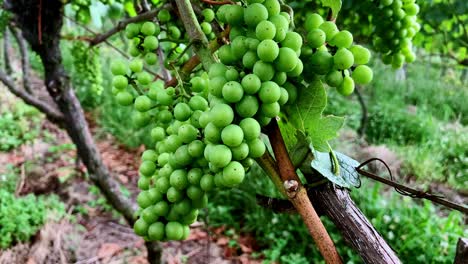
pixel 265 30
pixel 233 174
pixel 361 55
pixel 208 14
pixel 254 14
pixel 347 86
pixel 140 227
pixel 198 103
pixel 251 83
pixel 239 46
pixel 284 96
pixel 343 59
pixel 182 112
pixel 174 231
pixel 256 148
pixel 162 184
pixel 124 98
pixel 334 78
pixel 232 135
pixel 313 21
pixel 136 65
pixel 150 43
pixel 120 82
pixel 148 215
pixel 249 59
pixel 144 78
pixel 144 183
pixel 273 7
pixel 292 92
pixel 316 38
pixel 212 133
pixel 206 27
pixel 148 28
pixel 195 148
pixel 232 74
pixel 270 110
pixel 297 70
pixel 199 84
pixel 268 50
pixel 269 92
pixel 187 133
pixel 280 78
pixel 342 39
pixel 156 231
pixel 292 40
pixel 174 32
pixel 329 28
pixel 222 115
pixel 362 74
pixel 240 152
pixel 250 127
pixel 164 16
pixel 151 58
pixel 142 103
pixel 286 60
pixel 207 182
pixel 264 71
pixel 248 106
pixel 226 55
pixel 221 156
pixel 234 14
pixel 118 67
pixel 132 30
pixel 232 92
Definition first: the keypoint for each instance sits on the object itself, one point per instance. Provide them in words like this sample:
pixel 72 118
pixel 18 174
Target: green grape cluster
pixel 331 53
pixel 397 29
pixel 87 68
pixel 207 16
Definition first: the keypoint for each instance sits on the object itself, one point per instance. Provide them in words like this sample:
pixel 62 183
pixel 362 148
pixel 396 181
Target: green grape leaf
pixel 335 6
pixel 324 164
pixel 306 116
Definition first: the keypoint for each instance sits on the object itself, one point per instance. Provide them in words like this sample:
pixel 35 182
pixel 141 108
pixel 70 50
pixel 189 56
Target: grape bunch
pixel 87 68
pixel 398 26
pixel 331 53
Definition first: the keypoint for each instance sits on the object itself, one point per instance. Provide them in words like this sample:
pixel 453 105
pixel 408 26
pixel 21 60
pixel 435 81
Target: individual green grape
pixel 270 110
pixel 144 183
pixel 194 176
pixel 347 86
pixel 273 7
pixel 251 83
pixel 232 74
pixel 118 67
pixel 150 43
pixel 207 182
pixel 269 92
pixel 132 30
pixel 206 27
pixel 174 231
pixel 232 135
pixel 362 74
pixel 149 155
pixel 234 14
pixel 240 152
pixel 173 195
pixel 156 231
pixel 136 65
pixel 330 29
pixel 208 14
pixel 316 38
pixel 284 97
pixel 187 133
pixel 296 72
pixel 248 106
pixel 221 156
pixel 343 59
pixel 233 174
pixel 182 112
pixel 254 14
pixel 286 60
pixel 144 78
pixel 361 55
pixel 120 82
pixel 199 84
pixel 292 40
pixel 342 39
pixel 239 47
pixel 142 103
pixel 249 59
pixel 162 184
pixel 251 128
pixel 148 215
pixel 334 78
pixel 140 227
pixel 148 28
pixel 225 54
pixel 174 32
pixel 232 92
pixel 222 115
pixel 265 30
pixel 212 133
pixel 313 21
pixel 151 58
pixel 164 16
pixel 267 50
pixel 256 148
pixel 265 71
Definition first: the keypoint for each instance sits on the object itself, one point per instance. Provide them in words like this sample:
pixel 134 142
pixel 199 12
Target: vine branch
pixel 297 194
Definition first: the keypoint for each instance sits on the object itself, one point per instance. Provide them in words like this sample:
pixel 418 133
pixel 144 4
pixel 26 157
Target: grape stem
pixel 297 194
pixel 213 2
